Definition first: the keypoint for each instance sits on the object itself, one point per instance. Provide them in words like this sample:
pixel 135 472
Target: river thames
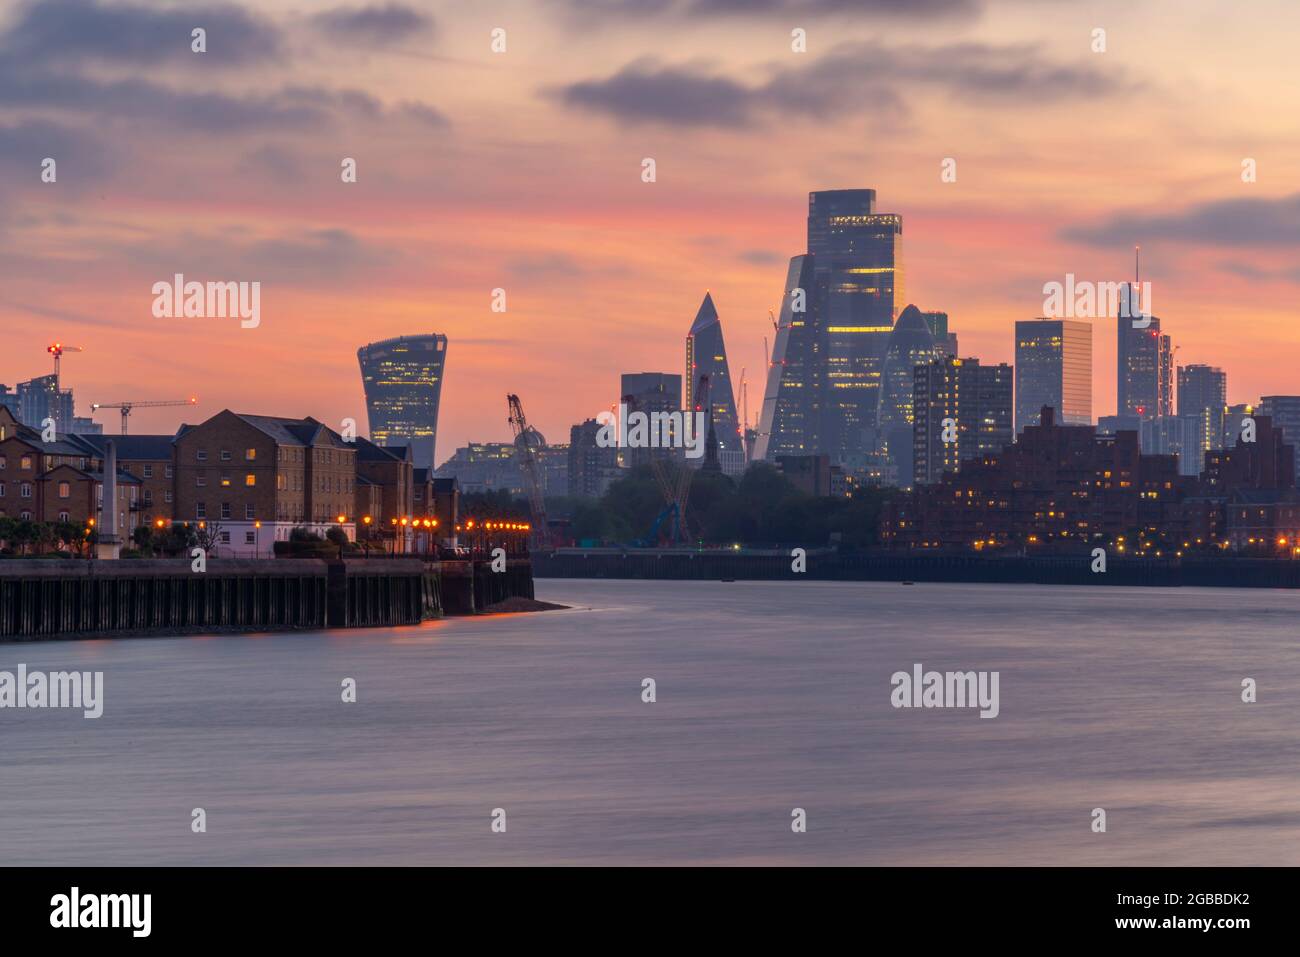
pixel 770 696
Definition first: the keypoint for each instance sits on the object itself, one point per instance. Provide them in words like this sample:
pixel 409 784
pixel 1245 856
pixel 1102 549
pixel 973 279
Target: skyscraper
pixel 41 398
pixel 910 344
pixel 966 403
pixel 857 271
pixel 1145 366
pixel 402 378
pixel 707 355
pixel 1284 410
pixel 945 340
pixel 790 421
pixel 650 393
pixel 1053 368
pixel 1203 393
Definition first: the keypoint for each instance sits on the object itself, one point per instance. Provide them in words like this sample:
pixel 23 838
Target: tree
pixel 207 536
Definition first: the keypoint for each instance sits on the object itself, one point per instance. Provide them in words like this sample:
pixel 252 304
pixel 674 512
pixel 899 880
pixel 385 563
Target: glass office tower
pixel 402 378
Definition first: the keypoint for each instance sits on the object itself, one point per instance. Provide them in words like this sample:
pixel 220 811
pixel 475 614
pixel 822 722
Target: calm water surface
pixel 770 696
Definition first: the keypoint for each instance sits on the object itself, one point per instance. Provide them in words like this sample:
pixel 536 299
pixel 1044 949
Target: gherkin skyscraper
pixel 706 354
pixel 910 344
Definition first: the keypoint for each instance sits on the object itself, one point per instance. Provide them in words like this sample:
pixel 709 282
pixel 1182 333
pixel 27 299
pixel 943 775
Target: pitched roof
pixel 128 446
pixel 299 432
pixel 368 451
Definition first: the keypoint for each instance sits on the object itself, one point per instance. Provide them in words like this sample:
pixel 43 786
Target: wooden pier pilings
pixel 55 598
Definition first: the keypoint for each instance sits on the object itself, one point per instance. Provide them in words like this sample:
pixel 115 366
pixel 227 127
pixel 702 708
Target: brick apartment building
pixel 1060 488
pixel 58 481
pixel 258 477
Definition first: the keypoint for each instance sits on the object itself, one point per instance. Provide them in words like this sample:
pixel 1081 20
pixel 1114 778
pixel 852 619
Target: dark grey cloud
pixel 859 77
pixel 762 257
pixel 544 265
pixel 967 71
pixel 46 48
pixel 376 25
pixel 1256 274
pixel 290 108
pixel 59 32
pixel 150 101
pixel 642 91
pixel 80 155
pixel 1226 222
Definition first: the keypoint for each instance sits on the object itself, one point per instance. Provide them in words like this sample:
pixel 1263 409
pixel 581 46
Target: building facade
pixel 791 418
pixel 706 355
pixel 911 344
pixel 402 378
pixel 858 280
pixel 961 410
pixel 1203 394
pixel 1284 411
pixel 1054 369
pixel 255 478
pixel 1145 368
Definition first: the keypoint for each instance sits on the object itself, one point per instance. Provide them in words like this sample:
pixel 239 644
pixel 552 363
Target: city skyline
pixel 425 234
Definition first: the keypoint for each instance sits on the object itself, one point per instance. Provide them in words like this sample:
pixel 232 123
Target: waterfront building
pixel 1056 487
pixel 258 477
pixel 147 458
pixel 58 481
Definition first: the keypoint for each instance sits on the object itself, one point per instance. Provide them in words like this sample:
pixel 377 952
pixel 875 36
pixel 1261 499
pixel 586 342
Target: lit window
pixel 250 454
pixel 250 479
pixel 65 490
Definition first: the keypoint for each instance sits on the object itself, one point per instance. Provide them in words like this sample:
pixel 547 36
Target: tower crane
pixel 57 349
pixel 526 441
pixel 126 407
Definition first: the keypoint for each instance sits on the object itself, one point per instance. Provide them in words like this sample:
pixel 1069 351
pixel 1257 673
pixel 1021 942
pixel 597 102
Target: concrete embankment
pixel 830 565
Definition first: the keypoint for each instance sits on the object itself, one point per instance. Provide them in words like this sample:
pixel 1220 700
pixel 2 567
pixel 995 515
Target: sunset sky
pixel 522 170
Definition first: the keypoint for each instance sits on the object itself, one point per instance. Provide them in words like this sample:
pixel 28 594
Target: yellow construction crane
pixel 126 407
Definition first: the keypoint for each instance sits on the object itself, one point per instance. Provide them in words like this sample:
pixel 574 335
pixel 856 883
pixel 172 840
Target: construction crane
pixel 126 407
pixel 57 349
pixel 527 439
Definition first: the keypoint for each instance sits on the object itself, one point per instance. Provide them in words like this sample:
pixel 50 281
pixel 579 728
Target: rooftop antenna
pixel 1137 279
